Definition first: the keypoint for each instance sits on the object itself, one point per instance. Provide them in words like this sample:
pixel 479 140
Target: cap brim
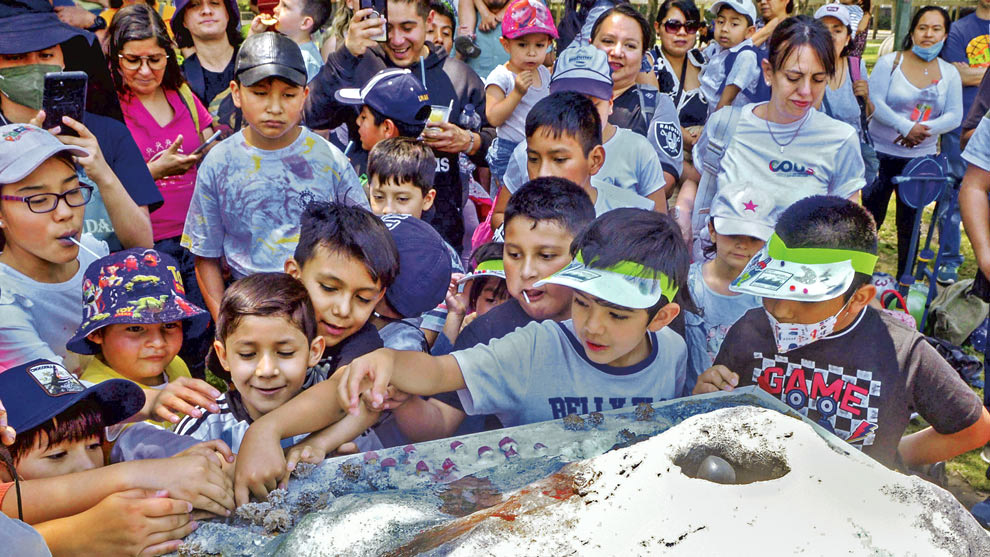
pixel 597 88
pixel 197 321
pixel 615 288
pixel 478 274
pixel 349 96
pixel 736 227
pixel 531 31
pixel 767 277
pixel 118 400
pixel 36 31
pixel 251 76
pixel 30 162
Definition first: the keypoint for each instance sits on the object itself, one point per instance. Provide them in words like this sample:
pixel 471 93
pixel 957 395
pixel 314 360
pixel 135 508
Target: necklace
pixel 793 137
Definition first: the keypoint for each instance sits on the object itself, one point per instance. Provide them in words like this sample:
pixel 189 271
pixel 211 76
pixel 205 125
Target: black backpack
pixel 575 15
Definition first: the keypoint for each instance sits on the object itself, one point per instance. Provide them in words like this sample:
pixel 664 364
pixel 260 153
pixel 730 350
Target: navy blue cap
pixel 424 266
pixel 394 92
pixel 40 390
pixel 31 25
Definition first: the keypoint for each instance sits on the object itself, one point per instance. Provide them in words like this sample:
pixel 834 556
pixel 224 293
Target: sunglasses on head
pixel 674 25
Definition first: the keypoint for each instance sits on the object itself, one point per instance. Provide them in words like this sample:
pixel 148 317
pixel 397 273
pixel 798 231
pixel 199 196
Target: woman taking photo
pixel 783 147
pixel 918 96
pixel 167 121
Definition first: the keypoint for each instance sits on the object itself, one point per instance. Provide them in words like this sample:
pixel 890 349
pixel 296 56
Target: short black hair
pixel 824 221
pixel 319 10
pixel 184 38
pixel 795 32
pixel 907 43
pixel 352 231
pixel 626 9
pixel 552 199
pixel 78 422
pixel 405 130
pixel 266 295
pixel 422 7
pixel 403 159
pixel 649 238
pixel 489 251
pixel 568 113
pixel 445 9
pixel 687 7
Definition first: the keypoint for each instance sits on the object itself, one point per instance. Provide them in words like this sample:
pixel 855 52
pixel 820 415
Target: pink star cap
pixel 743 209
pixel 524 17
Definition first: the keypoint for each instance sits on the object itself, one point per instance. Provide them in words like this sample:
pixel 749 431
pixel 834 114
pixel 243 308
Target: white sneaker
pixel 985 454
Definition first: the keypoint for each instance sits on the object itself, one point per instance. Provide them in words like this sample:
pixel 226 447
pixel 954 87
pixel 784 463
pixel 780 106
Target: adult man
pixel 450 84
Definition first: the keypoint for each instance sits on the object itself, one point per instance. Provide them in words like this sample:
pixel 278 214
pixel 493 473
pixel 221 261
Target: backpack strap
pixel 193 72
pixel 762 93
pixel 187 97
pixel 721 128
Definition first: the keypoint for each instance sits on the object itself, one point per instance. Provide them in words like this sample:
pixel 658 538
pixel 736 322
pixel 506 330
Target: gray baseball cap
pixel 742 7
pixel 25 148
pixel 741 209
pixel 582 69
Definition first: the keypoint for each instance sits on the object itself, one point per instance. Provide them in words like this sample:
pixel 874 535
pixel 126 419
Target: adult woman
pixel 847 97
pixel 918 96
pixel 677 65
pixel 783 147
pixel 772 13
pixel 624 34
pixel 211 26
pixel 167 121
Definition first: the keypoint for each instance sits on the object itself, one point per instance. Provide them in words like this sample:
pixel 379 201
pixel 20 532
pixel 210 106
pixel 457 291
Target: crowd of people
pixel 334 230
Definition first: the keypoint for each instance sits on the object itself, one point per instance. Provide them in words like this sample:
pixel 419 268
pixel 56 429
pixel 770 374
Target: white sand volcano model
pixel 796 490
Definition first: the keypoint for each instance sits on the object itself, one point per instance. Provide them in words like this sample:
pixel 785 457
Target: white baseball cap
pixel 838 11
pixel 744 7
pixel 740 209
pixel 23 148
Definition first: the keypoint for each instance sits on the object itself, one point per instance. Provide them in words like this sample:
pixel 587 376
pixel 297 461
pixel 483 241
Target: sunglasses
pixel 674 25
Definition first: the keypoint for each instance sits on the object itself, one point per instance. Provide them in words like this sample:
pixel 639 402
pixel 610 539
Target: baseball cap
pixel 134 286
pixel 743 210
pixel 743 7
pixel 838 11
pixel 424 266
pixel 270 54
pixel 45 389
pixel 25 147
pixel 584 69
pixel 394 92
pixel 627 284
pixel 525 17
pixel 801 274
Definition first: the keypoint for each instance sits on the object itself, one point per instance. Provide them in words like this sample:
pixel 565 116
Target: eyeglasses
pixel 47 202
pixel 133 63
pixel 674 25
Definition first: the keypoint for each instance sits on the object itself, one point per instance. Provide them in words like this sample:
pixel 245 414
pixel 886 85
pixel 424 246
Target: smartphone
pixel 207 143
pixel 64 95
pixel 380 8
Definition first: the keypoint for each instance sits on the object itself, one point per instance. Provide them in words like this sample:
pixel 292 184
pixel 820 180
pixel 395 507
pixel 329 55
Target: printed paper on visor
pixel 490 268
pixel 771 278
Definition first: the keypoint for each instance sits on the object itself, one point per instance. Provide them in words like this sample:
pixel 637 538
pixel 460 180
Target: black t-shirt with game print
pixel 861 383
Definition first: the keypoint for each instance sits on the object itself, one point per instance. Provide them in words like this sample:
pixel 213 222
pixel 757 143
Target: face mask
pixel 928 54
pixel 25 85
pixel 791 336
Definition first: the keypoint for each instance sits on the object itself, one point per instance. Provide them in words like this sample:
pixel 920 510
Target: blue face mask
pixel 928 54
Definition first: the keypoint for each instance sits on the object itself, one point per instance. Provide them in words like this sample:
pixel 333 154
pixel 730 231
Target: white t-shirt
pixel 613 197
pixel 38 318
pixel 631 163
pixel 977 150
pixel 514 128
pixel 540 372
pixel 744 74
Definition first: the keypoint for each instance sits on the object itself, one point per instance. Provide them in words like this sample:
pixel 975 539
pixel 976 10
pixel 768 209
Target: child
pixel 564 140
pixel 615 352
pixel 734 66
pixel 298 20
pixel 420 285
pixel 511 89
pixel 266 340
pixel 741 221
pixel 402 171
pixel 817 346
pixel 252 186
pixel 135 316
pixel 483 289
pixel 393 103
pixel 441 32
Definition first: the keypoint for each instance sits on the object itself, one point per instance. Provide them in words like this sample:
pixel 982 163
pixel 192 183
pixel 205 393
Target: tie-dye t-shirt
pixel 248 201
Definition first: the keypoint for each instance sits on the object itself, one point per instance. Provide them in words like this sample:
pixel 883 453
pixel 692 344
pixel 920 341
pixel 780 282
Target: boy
pixel 615 352
pixel 393 103
pixel 298 20
pixel 135 317
pixel 441 32
pixel 266 340
pixel 817 345
pixel 734 66
pixel 252 186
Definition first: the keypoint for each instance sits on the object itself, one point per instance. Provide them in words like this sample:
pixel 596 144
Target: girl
pixel 918 96
pixel 483 289
pixel 511 89
pixel 742 219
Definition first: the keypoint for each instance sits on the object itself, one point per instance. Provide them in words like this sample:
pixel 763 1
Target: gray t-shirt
pixel 842 103
pixel 17 538
pixel 977 150
pixel 540 372
pixel 613 197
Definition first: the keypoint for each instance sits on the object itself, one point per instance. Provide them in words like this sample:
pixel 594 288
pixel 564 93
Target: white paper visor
pixel 624 285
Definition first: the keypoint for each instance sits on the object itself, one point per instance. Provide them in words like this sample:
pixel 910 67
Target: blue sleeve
pixel 698 359
pixel 124 158
pixel 442 346
pixel 955 44
pixel 203 233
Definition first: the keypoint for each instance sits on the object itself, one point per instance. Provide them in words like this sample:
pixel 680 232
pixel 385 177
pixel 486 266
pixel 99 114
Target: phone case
pixel 64 95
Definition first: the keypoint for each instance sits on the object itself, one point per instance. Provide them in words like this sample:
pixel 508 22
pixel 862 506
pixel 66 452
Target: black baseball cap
pixel 270 54
pixel 394 92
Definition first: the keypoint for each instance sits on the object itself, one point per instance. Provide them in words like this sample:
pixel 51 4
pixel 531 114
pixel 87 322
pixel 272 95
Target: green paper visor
pixel 625 284
pixel 801 274
pixel 490 268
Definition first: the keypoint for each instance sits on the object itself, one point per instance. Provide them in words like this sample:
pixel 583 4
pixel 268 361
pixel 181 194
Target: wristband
pixel 471 145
